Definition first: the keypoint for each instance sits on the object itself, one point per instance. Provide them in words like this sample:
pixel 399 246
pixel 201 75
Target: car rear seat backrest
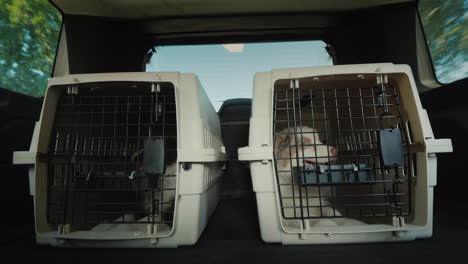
pixel 234 115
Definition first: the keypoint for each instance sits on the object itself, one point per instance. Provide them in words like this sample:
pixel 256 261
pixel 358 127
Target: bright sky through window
pixel 227 71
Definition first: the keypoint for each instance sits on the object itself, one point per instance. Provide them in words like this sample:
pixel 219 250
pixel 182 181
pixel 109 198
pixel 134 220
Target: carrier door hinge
pixel 382 79
pixel 155 88
pixel 398 221
pixel 64 229
pixel 294 84
pixel 158 107
pixel 72 89
pixel 152 229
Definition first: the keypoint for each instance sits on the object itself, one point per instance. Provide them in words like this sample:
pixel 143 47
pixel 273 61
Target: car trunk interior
pixel 112 36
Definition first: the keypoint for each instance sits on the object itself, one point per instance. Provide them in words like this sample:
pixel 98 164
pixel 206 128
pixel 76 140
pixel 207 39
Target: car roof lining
pixel 145 9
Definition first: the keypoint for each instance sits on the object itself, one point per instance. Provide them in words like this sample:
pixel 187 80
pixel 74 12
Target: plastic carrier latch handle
pixel 154 158
pixel 391 147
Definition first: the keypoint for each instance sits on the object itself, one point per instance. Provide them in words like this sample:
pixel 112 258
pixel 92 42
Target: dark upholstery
pixel 234 117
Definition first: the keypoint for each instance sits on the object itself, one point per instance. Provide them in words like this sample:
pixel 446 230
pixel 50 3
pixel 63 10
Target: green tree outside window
pixel 446 28
pixel 29 32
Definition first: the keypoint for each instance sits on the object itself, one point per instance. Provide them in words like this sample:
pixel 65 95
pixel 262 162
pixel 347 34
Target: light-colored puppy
pixel 304 148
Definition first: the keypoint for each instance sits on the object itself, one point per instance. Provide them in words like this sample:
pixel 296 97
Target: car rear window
pixel 226 71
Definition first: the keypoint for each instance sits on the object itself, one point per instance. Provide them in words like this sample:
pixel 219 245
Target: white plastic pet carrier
pixel 124 160
pixel 342 154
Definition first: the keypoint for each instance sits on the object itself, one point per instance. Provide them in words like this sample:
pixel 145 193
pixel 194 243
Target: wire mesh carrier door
pixel 341 151
pixel 111 156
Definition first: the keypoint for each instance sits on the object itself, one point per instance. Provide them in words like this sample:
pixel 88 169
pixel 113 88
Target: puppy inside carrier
pixel 331 139
pixel 109 148
pixel 351 154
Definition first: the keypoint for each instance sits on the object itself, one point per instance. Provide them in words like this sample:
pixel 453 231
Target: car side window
pixel 29 33
pixel 446 29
